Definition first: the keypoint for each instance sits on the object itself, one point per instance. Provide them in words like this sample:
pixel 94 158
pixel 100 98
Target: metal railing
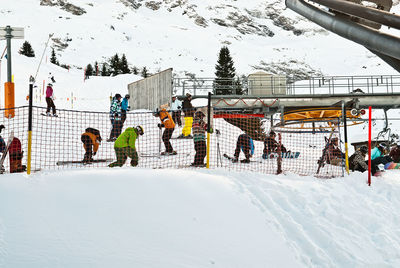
pixel 326 85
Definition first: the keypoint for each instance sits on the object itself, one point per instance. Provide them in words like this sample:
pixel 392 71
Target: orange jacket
pixel 94 139
pixel 166 119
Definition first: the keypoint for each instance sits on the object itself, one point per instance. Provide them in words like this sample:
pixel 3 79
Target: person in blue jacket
pixel 246 145
pixel 125 107
pixel 378 156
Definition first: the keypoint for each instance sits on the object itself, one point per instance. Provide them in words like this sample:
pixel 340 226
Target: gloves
pixel 94 153
pixel 179 107
pixel 160 125
pixel 235 160
pixel 128 109
pixel 211 130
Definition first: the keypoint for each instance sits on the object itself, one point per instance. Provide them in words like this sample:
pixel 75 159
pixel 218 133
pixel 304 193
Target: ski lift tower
pixel 6 33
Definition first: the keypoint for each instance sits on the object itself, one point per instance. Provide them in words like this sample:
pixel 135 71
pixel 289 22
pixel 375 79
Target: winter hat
pixel 127 96
pixel 272 133
pixel 117 96
pixel 140 130
pixel 188 95
pixel 382 145
pixel 364 149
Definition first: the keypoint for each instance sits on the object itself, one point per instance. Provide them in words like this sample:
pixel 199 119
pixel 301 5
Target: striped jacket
pixel 199 129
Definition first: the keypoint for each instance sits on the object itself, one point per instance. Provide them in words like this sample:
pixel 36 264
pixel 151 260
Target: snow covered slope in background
pixel 187 35
pixel 167 218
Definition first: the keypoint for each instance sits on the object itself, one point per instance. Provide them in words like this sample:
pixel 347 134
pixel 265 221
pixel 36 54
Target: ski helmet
pixel 127 96
pixel 140 130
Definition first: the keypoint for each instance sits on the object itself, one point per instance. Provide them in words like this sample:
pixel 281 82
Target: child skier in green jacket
pixel 124 147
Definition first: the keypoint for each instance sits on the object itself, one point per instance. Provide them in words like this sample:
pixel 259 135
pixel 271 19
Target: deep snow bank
pixel 210 218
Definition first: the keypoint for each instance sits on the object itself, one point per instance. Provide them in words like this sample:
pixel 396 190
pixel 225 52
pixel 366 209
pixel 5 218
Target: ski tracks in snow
pixel 327 223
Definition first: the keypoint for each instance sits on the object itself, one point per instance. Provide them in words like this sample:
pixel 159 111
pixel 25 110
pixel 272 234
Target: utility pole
pixel 8 33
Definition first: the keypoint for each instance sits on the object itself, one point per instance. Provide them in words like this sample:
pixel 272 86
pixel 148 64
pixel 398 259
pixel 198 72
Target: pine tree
pixel 225 73
pixel 115 65
pixel 135 70
pixel 104 70
pixel 96 68
pixel 53 58
pixel 89 70
pixel 144 72
pixel 27 50
pixel 124 65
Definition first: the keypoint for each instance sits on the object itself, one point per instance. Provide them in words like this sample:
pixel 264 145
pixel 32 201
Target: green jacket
pixel 127 138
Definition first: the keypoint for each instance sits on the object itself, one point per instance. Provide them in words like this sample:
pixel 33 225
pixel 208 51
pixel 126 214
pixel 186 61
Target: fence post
pixel 279 161
pixel 346 148
pixel 369 144
pixel 208 129
pixel 28 170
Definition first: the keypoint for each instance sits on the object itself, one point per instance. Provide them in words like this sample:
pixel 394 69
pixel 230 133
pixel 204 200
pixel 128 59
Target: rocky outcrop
pixel 298 70
pixel 64 5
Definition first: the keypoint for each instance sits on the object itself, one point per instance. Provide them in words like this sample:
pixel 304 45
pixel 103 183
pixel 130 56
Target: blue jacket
pixel 375 153
pixel 251 146
pixel 2 145
pixel 125 105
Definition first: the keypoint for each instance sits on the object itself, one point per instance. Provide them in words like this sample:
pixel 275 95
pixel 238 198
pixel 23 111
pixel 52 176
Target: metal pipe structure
pixel 371 14
pixel 374 40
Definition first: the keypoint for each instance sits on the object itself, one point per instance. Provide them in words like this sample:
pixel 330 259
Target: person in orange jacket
pixel 91 140
pixel 169 125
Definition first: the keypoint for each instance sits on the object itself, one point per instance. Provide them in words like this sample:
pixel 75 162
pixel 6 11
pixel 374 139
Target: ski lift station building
pixel 262 84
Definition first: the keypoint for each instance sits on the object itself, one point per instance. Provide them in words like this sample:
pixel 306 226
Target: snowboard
pixel 162 154
pixel 392 165
pixel 49 115
pixel 3 157
pixel 286 155
pixel 60 163
pixel 232 158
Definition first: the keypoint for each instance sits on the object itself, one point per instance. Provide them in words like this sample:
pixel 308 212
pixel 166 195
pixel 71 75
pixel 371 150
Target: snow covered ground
pixel 210 218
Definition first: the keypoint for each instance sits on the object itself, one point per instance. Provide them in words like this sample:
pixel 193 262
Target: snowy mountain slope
pixel 187 35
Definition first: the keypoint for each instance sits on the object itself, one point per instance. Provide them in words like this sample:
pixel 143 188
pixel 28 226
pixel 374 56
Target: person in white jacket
pixel 176 106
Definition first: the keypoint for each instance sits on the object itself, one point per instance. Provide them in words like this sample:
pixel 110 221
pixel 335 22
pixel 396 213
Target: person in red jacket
pixel 395 153
pixel 49 100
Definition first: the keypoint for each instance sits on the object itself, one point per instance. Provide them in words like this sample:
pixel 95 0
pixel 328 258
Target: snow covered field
pixel 177 218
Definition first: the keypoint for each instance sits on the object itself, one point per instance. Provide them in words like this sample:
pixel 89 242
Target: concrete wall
pixel 149 93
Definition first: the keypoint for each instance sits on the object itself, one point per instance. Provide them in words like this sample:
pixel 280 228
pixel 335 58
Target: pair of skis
pixel 60 163
pixel 3 157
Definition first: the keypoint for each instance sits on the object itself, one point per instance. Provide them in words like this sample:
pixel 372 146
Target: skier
pixel 2 142
pixel 115 117
pixel 176 106
pixel 357 160
pixel 124 147
pixel 125 108
pixel 51 78
pixel 334 155
pixel 168 123
pixel 49 100
pixel 199 137
pixel 91 140
pixel 244 143
pixel 395 153
pixel 188 109
pixel 271 145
